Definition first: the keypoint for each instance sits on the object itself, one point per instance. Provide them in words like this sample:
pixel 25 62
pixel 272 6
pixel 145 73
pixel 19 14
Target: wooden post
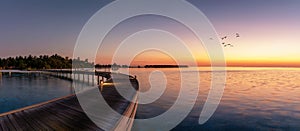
pixel 77 77
pixel 93 81
pixel 88 80
pixel 101 85
pixel 83 77
pixel 98 80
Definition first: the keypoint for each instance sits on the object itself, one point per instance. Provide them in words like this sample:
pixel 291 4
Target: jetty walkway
pixel 66 113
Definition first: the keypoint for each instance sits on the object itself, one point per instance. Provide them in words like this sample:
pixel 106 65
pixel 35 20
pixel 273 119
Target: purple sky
pixel 52 26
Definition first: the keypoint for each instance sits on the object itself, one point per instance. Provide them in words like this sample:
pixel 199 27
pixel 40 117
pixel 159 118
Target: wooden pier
pixel 66 113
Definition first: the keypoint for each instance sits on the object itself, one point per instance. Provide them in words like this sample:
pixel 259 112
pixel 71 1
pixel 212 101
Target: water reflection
pixel 0 78
pixel 254 99
pixel 24 89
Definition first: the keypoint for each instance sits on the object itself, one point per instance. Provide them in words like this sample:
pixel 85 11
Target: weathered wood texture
pixel 67 114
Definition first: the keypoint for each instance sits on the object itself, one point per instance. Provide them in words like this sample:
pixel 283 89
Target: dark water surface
pixel 254 99
pixel 19 90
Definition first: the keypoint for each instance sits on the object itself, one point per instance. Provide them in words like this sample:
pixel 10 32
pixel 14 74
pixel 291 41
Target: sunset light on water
pixel 150 65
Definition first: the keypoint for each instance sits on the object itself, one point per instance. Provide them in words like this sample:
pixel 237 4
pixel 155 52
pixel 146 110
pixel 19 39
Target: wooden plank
pixel 34 120
pixel 82 118
pixel 71 107
pixel 63 121
pixel 14 122
pixel 38 115
pixel 61 112
pixel 53 121
pixel 66 113
pixel 7 124
pixel 79 113
pixel 3 126
pixel 22 120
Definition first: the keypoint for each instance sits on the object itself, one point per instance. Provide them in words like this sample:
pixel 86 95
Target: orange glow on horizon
pixel 152 57
pixel 263 63
pixel 253 49
pixel 156 57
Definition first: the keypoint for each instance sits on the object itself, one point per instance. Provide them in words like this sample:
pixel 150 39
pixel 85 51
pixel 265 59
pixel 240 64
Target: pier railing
pixel 85 76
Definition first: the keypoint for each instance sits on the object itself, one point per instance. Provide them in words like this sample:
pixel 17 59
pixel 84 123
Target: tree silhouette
pixel 42 62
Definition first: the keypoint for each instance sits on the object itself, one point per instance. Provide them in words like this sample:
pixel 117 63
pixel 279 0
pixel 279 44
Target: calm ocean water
pixel 254 99
pixel 19 90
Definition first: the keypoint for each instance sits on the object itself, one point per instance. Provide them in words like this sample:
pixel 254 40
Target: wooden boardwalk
pixel 66 113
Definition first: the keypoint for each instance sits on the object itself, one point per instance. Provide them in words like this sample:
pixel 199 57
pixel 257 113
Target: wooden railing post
pixel 98 80
pixel 83 74
pixel 93 80
pixel 88 80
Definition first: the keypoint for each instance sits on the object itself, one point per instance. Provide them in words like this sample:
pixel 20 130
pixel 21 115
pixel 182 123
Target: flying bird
pixel 225 37
pixel 228 45
pixel 237 35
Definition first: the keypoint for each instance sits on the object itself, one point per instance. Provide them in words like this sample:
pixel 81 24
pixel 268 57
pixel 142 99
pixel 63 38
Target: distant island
pixel 138 66
pixel 166 66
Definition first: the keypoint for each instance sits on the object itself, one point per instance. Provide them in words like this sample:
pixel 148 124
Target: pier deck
pixel 67 114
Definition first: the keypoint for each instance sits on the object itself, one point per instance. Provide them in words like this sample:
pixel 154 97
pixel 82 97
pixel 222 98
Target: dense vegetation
pixel 58 62
pixel 42 62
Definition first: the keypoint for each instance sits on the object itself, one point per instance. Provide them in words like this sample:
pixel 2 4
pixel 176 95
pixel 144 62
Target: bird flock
pixel 225 44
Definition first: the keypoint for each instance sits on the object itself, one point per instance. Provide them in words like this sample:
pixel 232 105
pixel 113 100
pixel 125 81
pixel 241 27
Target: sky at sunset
pixel 269 30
